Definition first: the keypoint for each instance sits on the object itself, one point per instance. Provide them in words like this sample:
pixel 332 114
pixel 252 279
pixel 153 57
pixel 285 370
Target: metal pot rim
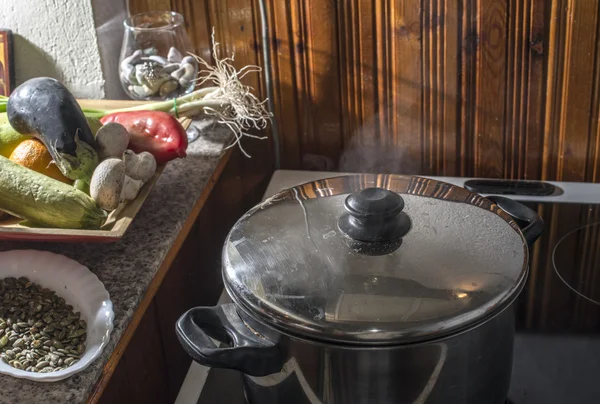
pixel 358 345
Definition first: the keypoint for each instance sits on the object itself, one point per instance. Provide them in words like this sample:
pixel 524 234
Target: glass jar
pixel 155 62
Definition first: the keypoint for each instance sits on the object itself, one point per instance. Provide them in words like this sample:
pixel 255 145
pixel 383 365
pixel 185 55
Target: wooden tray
pixel 118 220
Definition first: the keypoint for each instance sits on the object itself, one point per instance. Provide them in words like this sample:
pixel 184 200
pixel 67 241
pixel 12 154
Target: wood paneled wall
pixel 492 88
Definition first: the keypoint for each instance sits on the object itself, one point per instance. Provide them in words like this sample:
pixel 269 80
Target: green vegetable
pixel 9 139
pixel 45 201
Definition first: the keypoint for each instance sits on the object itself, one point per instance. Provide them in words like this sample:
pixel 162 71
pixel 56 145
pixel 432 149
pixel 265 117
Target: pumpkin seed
pixel 37 326
pixel 41 365
pixel 77 333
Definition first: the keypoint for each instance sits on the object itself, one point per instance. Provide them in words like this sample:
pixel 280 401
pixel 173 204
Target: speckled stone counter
pixel 128 266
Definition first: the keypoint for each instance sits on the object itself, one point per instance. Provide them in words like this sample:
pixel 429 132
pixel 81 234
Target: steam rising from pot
pixel 370 151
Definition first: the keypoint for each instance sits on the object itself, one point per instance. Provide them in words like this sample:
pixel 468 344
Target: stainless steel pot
pixel 369 289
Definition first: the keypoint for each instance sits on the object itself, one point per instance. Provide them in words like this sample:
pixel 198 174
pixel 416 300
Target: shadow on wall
pixel 108 19
pixel 31 61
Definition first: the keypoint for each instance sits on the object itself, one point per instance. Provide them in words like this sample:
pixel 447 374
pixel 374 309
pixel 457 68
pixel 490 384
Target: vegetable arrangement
pixel 228 100
pixel 66 167
pixel 56 172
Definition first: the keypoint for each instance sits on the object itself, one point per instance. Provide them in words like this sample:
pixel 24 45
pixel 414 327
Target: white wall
pixel 58 38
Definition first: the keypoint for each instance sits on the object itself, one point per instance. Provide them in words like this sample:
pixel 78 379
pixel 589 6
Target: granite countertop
pixel 127 266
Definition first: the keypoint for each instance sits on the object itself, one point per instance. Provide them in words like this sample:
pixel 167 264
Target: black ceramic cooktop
pixel 557 344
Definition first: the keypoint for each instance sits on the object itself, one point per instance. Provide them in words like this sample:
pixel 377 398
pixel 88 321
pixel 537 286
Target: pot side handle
pixel 247 352
pixel 531 224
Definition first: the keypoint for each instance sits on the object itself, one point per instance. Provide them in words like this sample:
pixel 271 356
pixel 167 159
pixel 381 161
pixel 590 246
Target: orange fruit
pixel 32 153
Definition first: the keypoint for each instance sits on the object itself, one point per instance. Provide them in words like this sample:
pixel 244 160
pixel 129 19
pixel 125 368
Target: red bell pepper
pixel 156 132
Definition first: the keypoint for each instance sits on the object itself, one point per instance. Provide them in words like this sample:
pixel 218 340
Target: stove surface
pixel 557 342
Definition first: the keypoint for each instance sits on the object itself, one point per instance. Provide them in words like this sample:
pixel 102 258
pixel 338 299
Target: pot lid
pixel 378 259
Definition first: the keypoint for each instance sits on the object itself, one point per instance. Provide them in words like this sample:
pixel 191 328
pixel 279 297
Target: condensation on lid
pixel 287 263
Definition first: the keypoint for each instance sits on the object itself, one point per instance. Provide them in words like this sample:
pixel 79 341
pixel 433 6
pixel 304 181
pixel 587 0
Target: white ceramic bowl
pixel 78 286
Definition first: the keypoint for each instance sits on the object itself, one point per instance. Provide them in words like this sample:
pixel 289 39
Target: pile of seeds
pixel 39 332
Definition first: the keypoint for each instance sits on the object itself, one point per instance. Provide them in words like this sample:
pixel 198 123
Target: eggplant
pixel 44 108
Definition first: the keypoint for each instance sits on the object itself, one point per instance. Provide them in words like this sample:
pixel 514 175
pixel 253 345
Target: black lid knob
pixel 374 202
pixel 374 214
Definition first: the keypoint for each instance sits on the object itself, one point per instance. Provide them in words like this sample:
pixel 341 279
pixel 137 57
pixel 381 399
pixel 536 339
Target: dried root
pixel 231 102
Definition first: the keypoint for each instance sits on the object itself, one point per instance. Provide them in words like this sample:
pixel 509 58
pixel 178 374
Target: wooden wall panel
pixel 442 61
pixel 532 123
pixel 493 88
pixel 570 82
pixel 490 100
